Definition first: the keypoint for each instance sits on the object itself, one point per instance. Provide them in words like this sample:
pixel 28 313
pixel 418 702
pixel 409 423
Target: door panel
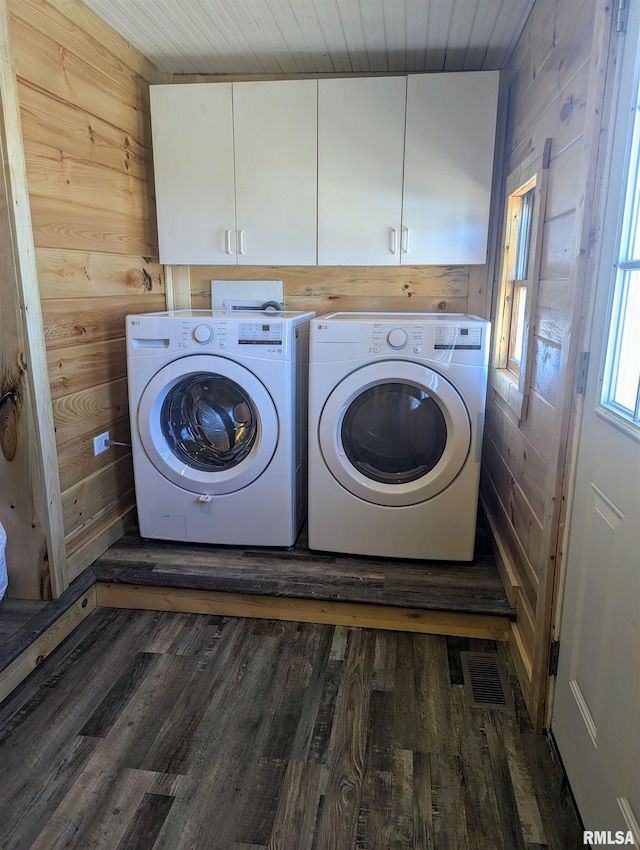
pixel 597 697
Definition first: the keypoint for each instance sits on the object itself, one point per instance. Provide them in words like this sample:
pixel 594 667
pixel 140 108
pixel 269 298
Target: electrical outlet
pixel 100 443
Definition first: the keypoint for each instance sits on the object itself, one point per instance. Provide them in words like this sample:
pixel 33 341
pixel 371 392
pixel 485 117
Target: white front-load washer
pixel 396 415
pixel 218 403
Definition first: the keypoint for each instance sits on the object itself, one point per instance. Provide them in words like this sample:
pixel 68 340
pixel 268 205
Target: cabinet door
pixel 192 131
pixel 360 153
pixel 451 126
pixel 275 127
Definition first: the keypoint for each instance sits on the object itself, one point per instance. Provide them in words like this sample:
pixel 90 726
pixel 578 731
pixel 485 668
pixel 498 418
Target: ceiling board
pixel 318 36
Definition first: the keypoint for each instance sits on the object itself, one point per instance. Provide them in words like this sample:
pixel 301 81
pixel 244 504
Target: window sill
pixel 507 387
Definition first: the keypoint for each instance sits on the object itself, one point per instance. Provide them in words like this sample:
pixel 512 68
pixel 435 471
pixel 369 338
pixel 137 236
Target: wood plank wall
pixel 84 106
pixel 556 84
pixel 19 505
pixel 325 288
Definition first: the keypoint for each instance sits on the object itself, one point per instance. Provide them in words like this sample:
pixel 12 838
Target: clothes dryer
pixel 218 404
pixel 396 412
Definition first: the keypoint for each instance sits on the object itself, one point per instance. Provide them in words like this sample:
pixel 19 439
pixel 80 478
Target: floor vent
pixel 485 681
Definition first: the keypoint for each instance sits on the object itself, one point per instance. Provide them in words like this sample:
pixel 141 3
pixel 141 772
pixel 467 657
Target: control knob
pixel 397 338
pixel 202 333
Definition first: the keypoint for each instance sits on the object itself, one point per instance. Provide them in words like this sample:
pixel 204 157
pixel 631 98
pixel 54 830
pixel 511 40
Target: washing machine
pixel 218 403
pixel 396 413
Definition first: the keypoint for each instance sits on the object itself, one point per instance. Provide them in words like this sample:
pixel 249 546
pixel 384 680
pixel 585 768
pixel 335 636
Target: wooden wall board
pixel 72 321
pixel 105 487
pixel 534 89
pixel 527 465
pixel 553 310
pixel 55 129
pixel 82 367
pixel 545 374
pixel 54 67
pixel 527 526
pixel 108 526
pixel 326 289
pixel 76 457
pixel 301 610
pixel 559 247
pixel 94 27
pixel 82 274
pixel 60 224
pixel 70 181
pixel 563 186
pixel 563 121
pixel 78 414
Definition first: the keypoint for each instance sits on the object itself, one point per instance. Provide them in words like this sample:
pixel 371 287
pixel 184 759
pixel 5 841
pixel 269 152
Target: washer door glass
pixel 394 433
pixel 209 422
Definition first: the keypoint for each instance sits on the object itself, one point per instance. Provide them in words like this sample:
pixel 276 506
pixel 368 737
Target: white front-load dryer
pixel 396 413
pixel 218 424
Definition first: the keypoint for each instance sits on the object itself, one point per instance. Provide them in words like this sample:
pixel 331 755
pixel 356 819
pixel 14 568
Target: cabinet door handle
pixel 241 242
pixel 405 240
pixel 393 240
pixel 227 242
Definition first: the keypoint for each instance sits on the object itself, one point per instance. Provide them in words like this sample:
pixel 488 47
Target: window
pixel 522 215
pixel 621 379
pixel 519 275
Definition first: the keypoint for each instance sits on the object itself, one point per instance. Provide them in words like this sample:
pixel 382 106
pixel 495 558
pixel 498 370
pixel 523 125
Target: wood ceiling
pixel 318 36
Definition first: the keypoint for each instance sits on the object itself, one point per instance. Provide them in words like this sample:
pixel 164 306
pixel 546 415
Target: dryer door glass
pixel 209 422
pixel 394 433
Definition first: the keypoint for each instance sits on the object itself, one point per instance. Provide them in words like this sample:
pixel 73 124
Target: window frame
pixel 510 380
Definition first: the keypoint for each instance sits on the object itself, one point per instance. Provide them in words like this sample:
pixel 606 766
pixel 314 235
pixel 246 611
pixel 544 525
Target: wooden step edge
pixel 43 644
pixel 484 626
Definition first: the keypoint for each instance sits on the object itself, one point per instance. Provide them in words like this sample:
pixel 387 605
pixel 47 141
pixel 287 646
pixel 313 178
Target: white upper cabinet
pixel 235 172
pixel 360 163
pixel 275 126
pixel 192 132
pixel 341 171
pixel 448 166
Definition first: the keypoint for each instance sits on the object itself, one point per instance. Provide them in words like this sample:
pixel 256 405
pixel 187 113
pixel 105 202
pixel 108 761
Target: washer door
pixel 208 424
pixel 395 433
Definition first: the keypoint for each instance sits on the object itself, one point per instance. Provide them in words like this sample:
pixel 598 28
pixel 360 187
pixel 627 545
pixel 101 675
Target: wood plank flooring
pixel 163 730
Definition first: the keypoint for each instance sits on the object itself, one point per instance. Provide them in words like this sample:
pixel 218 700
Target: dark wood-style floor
pixel 169 730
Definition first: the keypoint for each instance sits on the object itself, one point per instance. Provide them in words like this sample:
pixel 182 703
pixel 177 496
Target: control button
pixel 203 334
pixel 397 338
pixel 376 349
pixel 417 349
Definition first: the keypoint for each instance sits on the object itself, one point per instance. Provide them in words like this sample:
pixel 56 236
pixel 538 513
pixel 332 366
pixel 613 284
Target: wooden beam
pixel 44 644
pixel 302 610
pixel 47 498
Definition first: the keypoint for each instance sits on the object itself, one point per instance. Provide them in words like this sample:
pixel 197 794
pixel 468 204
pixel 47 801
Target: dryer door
pixel 208 424
pixel 395 433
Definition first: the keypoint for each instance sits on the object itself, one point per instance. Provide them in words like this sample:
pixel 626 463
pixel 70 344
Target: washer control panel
pixel 386 337
pixel 427 339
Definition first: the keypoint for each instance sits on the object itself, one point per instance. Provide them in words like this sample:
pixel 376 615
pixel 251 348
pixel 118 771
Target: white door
pixel 192 130
pixel 275 125
pixel 451 129
pixel 596 719
pixel 360 162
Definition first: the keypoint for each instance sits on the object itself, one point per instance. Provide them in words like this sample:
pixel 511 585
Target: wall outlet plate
pixel 100 443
